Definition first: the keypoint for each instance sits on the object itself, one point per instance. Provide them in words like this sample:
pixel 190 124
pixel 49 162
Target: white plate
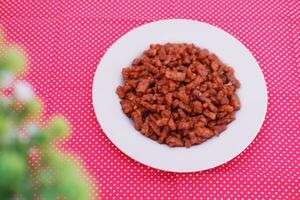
pixel 214 152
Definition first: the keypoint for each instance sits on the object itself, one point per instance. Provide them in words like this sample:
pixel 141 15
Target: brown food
pixel 179 94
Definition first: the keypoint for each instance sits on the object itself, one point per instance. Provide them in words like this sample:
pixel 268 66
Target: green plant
pixel 30 167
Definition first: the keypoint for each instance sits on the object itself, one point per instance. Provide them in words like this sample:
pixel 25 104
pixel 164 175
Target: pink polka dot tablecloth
pixel 65 40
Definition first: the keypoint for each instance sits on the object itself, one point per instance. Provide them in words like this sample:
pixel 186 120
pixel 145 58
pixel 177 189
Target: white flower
pixel 32 128
pixel 24 138
pixel 23 91
pixel 6 78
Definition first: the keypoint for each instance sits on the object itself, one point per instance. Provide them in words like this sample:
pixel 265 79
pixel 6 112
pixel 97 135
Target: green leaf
pixel 58 127
pixel 33 108
pixel 12 59
pixel 67 179
pixel 49 193
pixel 12 170
pixel 26 188
pixel 4 126
pixel 41 138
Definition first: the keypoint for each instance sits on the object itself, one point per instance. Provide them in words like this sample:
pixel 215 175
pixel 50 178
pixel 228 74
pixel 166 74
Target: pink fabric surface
pixel 65 41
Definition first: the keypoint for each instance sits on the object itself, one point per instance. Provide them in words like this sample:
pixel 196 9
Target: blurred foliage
pixel 12 59
pixel 30 167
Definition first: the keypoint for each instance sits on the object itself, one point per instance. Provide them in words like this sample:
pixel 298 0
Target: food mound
pixel 179 94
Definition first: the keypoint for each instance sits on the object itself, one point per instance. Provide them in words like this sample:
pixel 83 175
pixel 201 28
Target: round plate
pixel 216 151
